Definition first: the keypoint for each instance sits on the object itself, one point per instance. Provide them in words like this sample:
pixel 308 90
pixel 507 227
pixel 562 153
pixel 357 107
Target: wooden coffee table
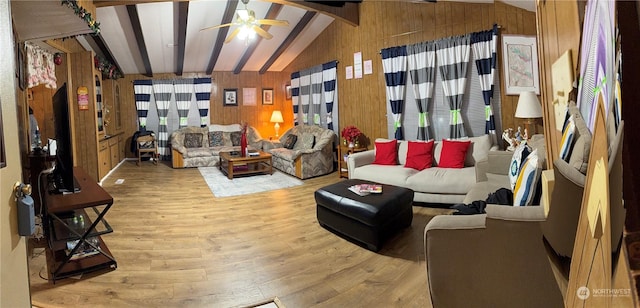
pixel 232 165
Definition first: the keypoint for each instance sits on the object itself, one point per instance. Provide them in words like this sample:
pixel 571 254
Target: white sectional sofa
pixel 433 185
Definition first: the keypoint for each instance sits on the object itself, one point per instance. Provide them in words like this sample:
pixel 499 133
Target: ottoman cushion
pixel 368 219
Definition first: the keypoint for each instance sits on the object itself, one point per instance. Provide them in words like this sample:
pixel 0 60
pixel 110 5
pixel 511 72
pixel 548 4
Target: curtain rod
pixel 412 32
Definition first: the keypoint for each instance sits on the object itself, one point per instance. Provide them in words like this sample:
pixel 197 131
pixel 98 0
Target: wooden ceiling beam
pixel 306 18
pixel 229 12
pixel 183 13
pixel 137 31
pixel 349 13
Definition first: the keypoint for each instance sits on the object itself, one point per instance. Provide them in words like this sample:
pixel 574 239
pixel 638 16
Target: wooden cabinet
pixel 104 159
pixel 109 154
pixel 114 151
pixel 343 153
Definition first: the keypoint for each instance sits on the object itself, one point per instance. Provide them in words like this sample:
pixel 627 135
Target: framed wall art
pixel 267 96
pixel 520 58
pixel 230 97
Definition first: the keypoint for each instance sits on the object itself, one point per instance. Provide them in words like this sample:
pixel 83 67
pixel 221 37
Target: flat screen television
pixel 64 181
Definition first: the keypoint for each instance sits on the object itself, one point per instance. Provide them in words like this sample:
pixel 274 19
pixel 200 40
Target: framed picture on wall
pixel 267 96
pixel 287 91
pixel 520 58
pixel 230 97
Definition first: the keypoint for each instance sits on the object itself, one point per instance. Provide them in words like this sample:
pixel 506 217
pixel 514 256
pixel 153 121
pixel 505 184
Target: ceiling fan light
pixel 243 14
pixel 245 32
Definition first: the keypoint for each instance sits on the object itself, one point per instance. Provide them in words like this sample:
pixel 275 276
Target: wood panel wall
pixel 558 31
pixel 392 23
pixel 85 130
pixel 257 116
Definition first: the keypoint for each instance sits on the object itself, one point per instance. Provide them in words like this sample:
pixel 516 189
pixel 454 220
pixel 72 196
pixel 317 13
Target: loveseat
pixel 311 154
pixel 199 146
pixel 434 184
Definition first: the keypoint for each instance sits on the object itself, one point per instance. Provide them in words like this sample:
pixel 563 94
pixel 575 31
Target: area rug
pixel 221 186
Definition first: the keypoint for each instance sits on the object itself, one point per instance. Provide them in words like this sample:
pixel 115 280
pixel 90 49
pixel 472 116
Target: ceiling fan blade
pixel 266 35
pixel 272 22
pixel 215 27
pixel 232 35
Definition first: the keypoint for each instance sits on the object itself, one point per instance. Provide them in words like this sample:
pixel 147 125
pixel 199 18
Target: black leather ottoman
pixel 368 220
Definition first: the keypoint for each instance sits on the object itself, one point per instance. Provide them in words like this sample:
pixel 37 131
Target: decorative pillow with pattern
pixel 193 140
pixel 235 138
pixel 567 139
pixel 215 139
pixel 290 142
pixel 519 155
pixel 527 181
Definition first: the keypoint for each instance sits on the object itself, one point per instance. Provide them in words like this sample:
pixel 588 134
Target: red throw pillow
pixel 419 155
pixel 453 153
pixel 386 153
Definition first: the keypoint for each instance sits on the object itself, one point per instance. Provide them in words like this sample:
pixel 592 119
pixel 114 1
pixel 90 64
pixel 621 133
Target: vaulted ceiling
pixel 167 37
pixel 159 36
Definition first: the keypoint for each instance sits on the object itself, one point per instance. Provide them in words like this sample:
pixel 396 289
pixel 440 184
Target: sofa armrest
pixel 515 213
pixel 268 145
pixel 498 162
pixel 359 159
pixel 569 172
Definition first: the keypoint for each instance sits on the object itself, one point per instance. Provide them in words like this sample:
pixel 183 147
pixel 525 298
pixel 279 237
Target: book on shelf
pixel 366 189
pixel 85 250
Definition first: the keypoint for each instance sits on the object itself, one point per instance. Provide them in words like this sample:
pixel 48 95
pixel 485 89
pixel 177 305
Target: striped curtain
pixel 183 88
pixel 329 81
pixel 162 90
pixel 316 94
pixel 453 57
pixel 295 95
pixel 394 63
pixel 202 87
pixel 305 94
pixel 142 90
pixel 483 45
pixel 422 70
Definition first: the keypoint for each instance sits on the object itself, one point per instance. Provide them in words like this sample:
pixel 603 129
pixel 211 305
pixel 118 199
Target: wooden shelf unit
pixel 63 212
pixel 343 152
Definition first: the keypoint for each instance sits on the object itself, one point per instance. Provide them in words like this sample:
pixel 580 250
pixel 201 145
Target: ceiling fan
pixel 248 25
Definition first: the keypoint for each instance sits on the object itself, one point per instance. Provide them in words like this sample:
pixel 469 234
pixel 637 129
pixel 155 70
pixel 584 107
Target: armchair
pixel 499 259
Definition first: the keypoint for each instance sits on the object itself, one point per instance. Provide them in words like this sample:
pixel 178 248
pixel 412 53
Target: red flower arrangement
pixel 350 133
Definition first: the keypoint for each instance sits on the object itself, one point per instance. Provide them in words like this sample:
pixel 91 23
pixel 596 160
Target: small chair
pixel 146 146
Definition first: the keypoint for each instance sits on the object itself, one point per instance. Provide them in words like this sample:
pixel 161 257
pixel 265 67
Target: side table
pixel 343 153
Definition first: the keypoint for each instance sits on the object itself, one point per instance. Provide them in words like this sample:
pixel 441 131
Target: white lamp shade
pixel 528 106
pixel 276 117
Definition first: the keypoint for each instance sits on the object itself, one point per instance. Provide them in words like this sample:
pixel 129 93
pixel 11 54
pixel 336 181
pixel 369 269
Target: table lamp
pixel 529 109
pixel 276 117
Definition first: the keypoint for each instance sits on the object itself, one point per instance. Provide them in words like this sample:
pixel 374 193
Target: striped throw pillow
pixel 519 155
pixel 567 139
pixel 527 180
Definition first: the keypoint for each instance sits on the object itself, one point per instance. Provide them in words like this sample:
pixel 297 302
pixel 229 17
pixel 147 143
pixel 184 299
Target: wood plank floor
pixel 179 246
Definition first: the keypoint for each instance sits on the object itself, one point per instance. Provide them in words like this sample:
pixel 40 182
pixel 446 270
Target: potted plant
pixel 351 135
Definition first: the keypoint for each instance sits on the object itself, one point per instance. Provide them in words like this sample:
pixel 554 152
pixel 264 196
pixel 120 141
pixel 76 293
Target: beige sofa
pixel 203 154
pixel 433 185
pixel 305 160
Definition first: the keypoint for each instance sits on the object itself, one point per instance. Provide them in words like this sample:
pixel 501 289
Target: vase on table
pixel 243 144
pixel 351 145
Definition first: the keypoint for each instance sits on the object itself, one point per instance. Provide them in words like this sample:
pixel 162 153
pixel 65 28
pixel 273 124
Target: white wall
pixel 14 273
